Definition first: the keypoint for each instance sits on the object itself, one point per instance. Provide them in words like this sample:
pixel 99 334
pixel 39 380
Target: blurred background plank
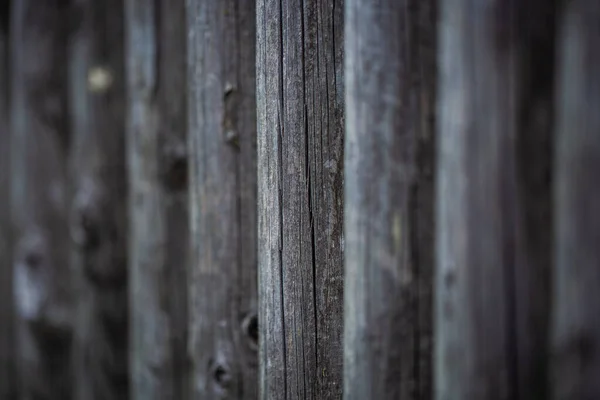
pixel 39 148
pixel 222 143
pixel 576 298
pixel 158 199
pixel 494 227
pixel 8 353
pixel 389 181
pixel 98 216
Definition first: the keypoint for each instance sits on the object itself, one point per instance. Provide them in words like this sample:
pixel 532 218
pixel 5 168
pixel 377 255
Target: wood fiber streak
pixel 8 387
pixel 222 139
pixel 39 197
pixel 158 202
pixel 389 210
pixel 494 199
pixel 300 103
pixel 576 299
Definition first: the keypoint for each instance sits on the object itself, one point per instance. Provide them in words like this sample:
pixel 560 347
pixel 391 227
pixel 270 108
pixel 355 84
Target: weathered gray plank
pixel 390 81
pixel 494 225
pixel 222 139
pixel 7 318
pixel 300 185
pixel 156 59
pixel 39 198
pixel 576 298
pixel 98 215
pixel 534 37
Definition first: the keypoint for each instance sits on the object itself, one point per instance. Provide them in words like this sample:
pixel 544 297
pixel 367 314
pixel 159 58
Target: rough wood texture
pixel 7 316
pixel 576 298
pixel 390 76
pixel 156 59
pixel 39 149
pixel 222 139
pixel 300 103
pixel 98 215
pixel 494 225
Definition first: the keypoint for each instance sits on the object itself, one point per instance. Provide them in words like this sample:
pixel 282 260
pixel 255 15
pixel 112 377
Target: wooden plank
pixel 390 81
pixel 7 316
pixel 158 203
pixel 222 138
pixel 533 35
pixel 98 213
pixel 576 299
pixel 300 107
pixel 494 219
pixel 39 198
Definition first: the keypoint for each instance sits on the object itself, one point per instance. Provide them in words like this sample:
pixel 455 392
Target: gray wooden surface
pixel 529 252
pixel 300 103
pixel 494 226
pixel 576 298
pixel 222 138
pixel 39 197
pixel 157 161
pixel 98 224
pixel 7 322
pixel 390 99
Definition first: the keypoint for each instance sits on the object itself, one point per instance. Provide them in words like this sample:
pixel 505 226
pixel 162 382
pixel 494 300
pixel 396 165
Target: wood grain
pixel 98 219
pixel 300 103
pixel 8 388
pixel 576 299
pixel 222 139
pixel 39 197
pixel 494 226
pixel 158 200
pixel 389 161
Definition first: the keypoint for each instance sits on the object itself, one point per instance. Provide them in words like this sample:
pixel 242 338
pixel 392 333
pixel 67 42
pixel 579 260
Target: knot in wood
pixel 175 168
pixel 31 276
pixel 232 138
pixel 85 228
pixel 33 260
pixel 229 89
pixel 449 279
pixel 32 251
pixel 220 374
pixel 576 350
pixel 250 329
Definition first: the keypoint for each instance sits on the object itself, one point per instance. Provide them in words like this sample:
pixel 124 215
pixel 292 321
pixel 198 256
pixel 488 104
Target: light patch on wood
pixel 405 273
pixel 99 79
pixel 425 112
pixel 397 231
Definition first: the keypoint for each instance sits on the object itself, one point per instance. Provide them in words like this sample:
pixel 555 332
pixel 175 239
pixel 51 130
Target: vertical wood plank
pixel 300 184
pixel 7 316
pixel 98 223
pixel 222 138
pixel 494 222
pixel 390 94
pixel 39 199
pixel 533 36
pixel 576 323
pixel 158 201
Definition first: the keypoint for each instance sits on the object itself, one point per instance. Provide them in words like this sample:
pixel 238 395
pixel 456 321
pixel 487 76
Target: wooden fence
pixel 299 199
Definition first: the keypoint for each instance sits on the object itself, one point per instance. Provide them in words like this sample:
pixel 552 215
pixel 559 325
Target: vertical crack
pixel 308 172
pixel 280 173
